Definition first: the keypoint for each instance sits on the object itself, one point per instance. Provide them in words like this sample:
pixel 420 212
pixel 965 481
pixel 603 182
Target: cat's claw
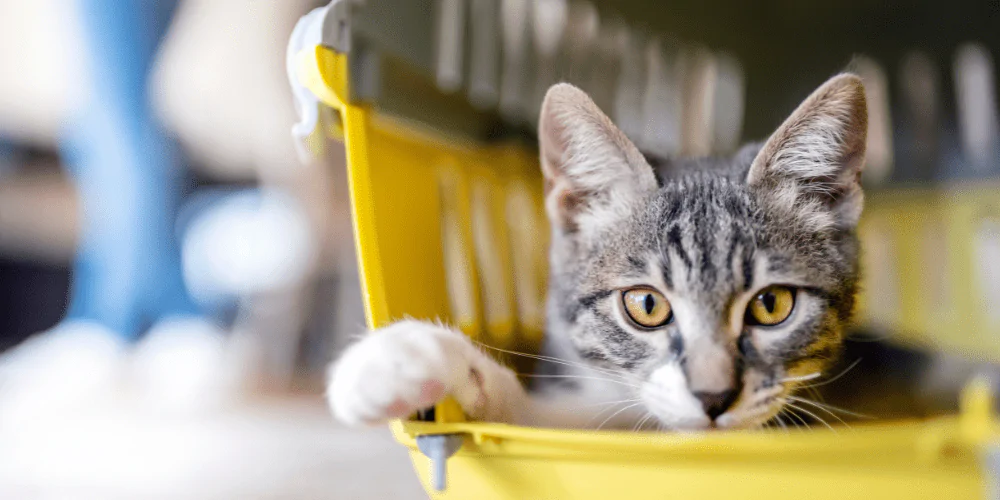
pixel 409 366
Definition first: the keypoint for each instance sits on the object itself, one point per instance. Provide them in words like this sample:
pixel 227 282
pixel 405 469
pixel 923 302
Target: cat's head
pixel 716 285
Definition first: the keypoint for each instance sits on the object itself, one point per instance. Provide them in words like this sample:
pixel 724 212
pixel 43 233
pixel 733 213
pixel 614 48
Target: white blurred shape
pixel 496 286
pixel 921 110
pixel 460 273
pixel 528 262
pixel 727 114
pixel 549 19
pixel 582 30
pixel 878 156
pixel 515 16
pixel 484 64
pixel 975 87
pixel 632 86
pixel 660 110
pixel 252 242
pixel 450 43
pixel 183 365
pixel 987 243
pixel 41 67
pixel 919 84
pixel 700 75
pixel 879 265
pixel 605 70
pixel 75 364
pixel 221 84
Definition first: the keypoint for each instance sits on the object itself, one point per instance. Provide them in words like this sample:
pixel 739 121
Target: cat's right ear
pixel 592 171
pixel 811 166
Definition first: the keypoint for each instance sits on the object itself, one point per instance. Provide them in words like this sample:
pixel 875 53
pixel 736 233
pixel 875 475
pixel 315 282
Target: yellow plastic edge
pixel 324 72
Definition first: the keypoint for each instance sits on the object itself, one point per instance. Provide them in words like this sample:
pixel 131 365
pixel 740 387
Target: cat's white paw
pixel 412 365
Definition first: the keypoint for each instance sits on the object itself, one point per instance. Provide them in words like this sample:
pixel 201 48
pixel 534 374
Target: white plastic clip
pixel 326 26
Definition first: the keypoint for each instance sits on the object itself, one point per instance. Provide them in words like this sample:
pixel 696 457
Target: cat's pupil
pixel 769 300
pixel 648 303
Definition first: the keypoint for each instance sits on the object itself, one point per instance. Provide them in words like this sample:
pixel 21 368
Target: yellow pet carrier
pixel 443 222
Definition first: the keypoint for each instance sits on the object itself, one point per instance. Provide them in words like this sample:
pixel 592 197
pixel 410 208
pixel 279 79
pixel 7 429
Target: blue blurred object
pixel 129 173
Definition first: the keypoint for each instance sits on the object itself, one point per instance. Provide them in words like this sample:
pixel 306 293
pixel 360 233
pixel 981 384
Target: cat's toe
pixel 375 400
pixel 380 394
pixel 388 376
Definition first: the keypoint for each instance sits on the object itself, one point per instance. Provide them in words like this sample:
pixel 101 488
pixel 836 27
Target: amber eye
pixel 647 307
pixel 771 306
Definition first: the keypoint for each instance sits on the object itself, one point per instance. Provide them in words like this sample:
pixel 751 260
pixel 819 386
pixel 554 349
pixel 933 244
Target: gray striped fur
pixel 709 233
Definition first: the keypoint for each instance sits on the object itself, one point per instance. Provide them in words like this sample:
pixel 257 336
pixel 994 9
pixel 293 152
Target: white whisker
pixel 794 418
pixel 613 415
pixel 815 394
pixel 552 359
pixel 781 422
pixel 584 377
pixel 606 403
pixel 811 414
pixel 828 408
pixel 642 421
pixel 817 405
pixel 610 407
pixel 802 378
pixel 834 379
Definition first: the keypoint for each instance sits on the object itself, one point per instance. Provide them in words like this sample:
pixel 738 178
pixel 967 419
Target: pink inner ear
pixel 565 204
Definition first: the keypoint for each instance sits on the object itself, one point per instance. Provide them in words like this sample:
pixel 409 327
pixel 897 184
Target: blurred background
pixel 176 274
pixel 174 278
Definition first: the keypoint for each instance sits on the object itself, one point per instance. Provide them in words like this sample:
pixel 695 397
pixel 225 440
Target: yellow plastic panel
pixel 896 291
pixel 927 267
pixel 974 241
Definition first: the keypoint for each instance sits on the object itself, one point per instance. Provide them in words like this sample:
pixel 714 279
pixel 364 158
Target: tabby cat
pixel 694 294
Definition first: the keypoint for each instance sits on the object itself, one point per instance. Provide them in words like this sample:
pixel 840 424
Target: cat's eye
pixel 647 307
pixel 771 306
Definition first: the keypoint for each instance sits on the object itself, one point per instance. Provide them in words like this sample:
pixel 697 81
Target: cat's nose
pixel 716 403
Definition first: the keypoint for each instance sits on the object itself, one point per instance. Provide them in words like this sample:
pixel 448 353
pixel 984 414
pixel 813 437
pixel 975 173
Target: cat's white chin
pixel 666 396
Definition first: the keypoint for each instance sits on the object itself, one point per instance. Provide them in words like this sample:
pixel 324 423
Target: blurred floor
pixel 274 449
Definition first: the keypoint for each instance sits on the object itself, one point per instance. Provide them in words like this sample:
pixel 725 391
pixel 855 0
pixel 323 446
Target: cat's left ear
pixel 592 171
pixel 812 164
